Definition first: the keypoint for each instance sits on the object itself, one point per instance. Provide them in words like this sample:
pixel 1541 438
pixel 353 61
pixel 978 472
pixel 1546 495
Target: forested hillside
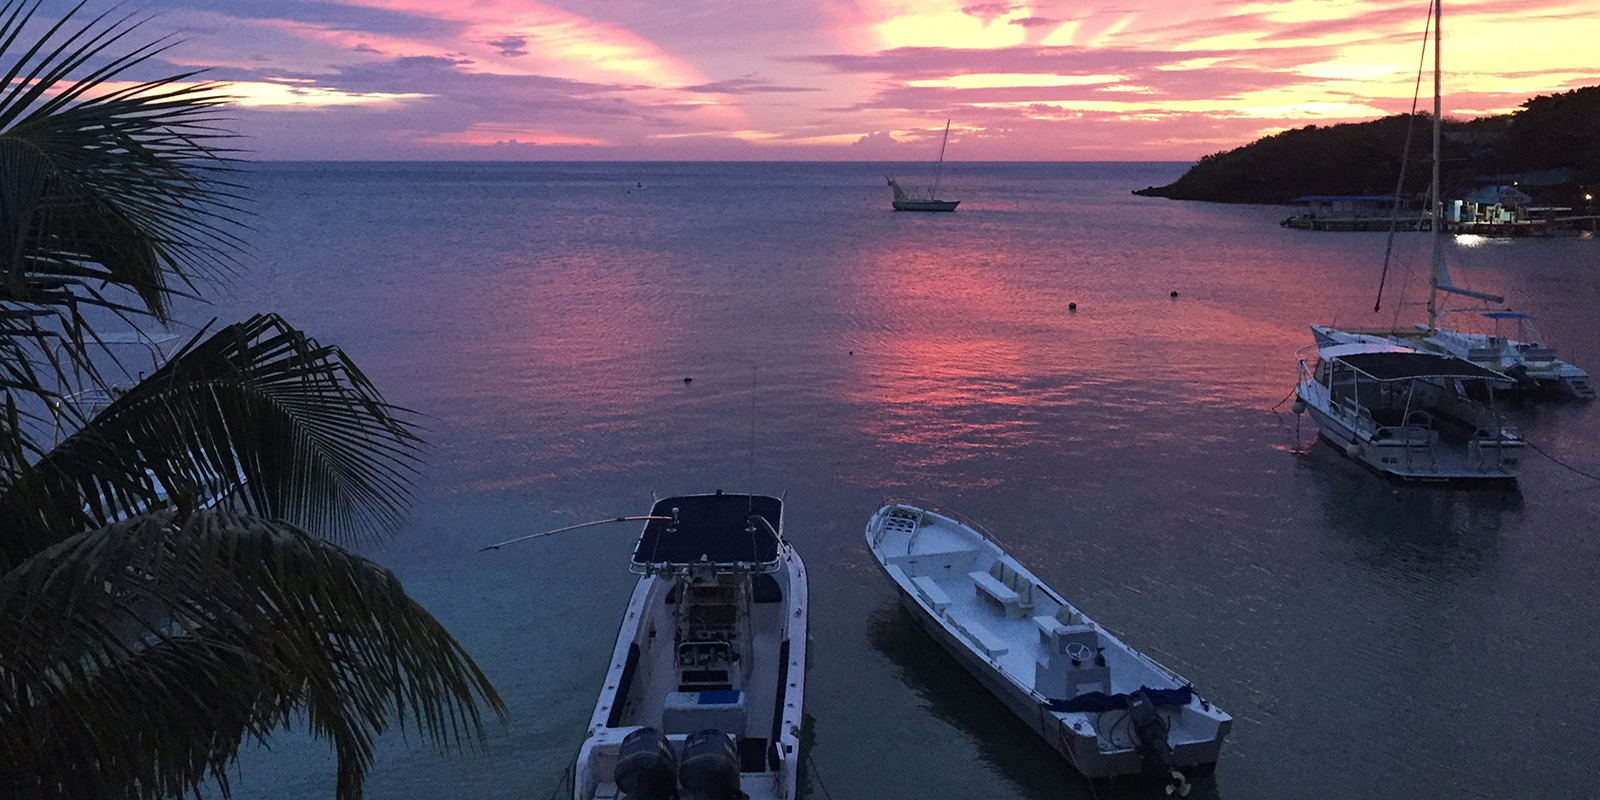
pixel 1549 132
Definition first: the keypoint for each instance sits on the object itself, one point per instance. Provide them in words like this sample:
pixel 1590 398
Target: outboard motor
pixel 710 767
pixel 646 768
pixel 1152 735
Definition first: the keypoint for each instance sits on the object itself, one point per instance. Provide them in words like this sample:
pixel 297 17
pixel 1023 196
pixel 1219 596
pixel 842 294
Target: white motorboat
pixel 1105 707
pixel 704 692
pixel 1405 412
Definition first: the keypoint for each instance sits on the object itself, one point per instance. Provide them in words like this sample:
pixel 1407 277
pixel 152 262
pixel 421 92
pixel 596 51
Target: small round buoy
pixel 1352 450
pixel 688 380
pixel 1072 306
pixel 1174 294
pixel 1298 406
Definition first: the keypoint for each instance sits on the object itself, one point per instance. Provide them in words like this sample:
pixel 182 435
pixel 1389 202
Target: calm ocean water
pixel 1138 454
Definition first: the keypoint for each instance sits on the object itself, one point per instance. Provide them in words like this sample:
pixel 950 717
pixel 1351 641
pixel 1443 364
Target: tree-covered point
pixel 1552 137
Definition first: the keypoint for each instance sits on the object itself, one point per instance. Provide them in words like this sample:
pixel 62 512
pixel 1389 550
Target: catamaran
pixel 1105 707
pixel 704 692
pixel 905 201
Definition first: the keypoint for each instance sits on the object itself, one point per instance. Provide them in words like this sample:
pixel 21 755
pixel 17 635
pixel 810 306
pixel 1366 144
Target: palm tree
pixel 171 579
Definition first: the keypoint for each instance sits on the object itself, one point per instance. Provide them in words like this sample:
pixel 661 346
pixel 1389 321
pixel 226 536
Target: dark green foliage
pixel 1363 158
pixel 1556 131
pixel 167 588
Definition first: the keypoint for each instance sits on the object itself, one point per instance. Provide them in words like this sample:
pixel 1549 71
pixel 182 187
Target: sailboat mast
pixel 940 170
pixel 1437 223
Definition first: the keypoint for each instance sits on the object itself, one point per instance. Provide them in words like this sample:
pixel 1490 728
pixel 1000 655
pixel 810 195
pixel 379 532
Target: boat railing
pixel 924 508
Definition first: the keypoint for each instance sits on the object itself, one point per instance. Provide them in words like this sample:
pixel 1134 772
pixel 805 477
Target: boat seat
pixel 988 643
pixel 1048 626
pixel 1010 602
pixel 931 592
pixel 690 712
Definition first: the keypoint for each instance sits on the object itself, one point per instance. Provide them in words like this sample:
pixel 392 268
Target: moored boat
pixel 1105 707
pixel 1405 412
pixel 703 696
pixel 906 201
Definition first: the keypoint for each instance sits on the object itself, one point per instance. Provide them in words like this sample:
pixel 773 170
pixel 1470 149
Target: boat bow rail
pixel 912 514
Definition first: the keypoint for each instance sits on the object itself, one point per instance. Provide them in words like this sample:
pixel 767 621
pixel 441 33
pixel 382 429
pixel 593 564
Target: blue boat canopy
pixel 715 528
pixel 1404 365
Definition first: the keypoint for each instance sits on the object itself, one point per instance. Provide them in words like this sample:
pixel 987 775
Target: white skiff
pixel 1107 708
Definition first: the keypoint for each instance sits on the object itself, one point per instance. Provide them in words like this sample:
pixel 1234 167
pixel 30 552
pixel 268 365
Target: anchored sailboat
pixel 905 201
pixel 1394 401
pixel 1528 364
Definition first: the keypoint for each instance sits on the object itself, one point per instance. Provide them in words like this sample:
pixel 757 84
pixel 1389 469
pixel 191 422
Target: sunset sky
pixel 847 79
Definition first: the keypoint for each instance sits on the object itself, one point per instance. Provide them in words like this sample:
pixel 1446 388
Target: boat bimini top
pixel 1395 363
pixel 723 532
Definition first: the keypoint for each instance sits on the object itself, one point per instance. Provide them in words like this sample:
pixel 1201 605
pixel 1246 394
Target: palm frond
pixel 136 659
pixel 114 194
pixel 257 414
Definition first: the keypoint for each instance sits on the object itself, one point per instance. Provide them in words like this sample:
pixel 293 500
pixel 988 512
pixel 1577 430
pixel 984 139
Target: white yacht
pixel 1406 412
pixel 704 692
pixel 1105 707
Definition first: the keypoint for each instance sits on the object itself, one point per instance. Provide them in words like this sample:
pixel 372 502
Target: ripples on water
pixel 1138 454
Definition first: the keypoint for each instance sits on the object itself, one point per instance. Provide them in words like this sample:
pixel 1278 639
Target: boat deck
pixel 756 676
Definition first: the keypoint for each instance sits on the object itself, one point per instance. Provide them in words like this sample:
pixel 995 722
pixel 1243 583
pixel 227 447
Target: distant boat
pixel 704 693
pixel 904 201
pixel 1529 363
pixel 1105 707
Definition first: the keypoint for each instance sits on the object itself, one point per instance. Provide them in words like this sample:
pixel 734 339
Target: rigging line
pixel 499 545
pixel 812 763
pixel 1405 156
pixel 750 469
pixel 1285 399
pixel 1559 462
pixel 565 782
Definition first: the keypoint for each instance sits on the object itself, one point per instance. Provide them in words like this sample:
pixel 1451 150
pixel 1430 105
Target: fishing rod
pixel 571 528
